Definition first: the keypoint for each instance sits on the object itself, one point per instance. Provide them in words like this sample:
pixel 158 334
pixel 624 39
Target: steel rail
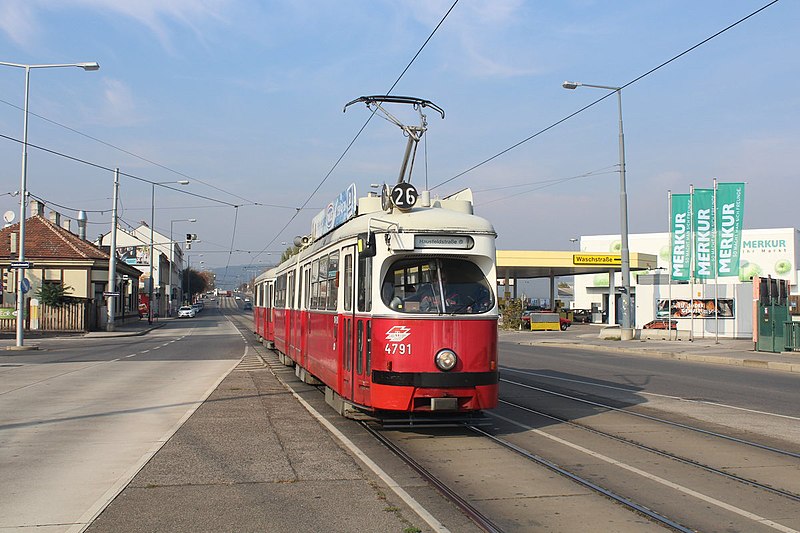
pixel 476 516
pixel 656 517
pixel 662 453
pixel 661 420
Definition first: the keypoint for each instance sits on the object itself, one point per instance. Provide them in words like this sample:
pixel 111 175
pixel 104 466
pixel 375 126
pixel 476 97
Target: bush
pixel 55 294
pixel 512 313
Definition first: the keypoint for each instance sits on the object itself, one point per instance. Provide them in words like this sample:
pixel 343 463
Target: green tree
pixel 55 294
pixel 289 252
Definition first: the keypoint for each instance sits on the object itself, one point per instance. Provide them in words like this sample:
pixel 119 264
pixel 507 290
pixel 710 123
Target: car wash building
pixel 705 307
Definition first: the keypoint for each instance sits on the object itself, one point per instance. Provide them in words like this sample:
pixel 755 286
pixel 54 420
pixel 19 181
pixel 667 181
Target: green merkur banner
pixel 703 229
pixel 730 211
pixel 680 229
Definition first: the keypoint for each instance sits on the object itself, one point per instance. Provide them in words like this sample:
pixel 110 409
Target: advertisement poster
pixel 701 308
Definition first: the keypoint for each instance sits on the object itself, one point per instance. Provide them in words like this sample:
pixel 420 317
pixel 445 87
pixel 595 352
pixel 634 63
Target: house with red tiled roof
pixel 60 257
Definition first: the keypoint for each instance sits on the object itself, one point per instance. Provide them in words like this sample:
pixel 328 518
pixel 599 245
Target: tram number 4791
pixel 398 348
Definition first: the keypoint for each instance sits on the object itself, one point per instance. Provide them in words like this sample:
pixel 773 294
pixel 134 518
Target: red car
pixel 661 323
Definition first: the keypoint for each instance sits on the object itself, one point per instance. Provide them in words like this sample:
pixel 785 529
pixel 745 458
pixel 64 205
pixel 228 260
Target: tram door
pixel 362 333
pixel 293 337
pixel 348 282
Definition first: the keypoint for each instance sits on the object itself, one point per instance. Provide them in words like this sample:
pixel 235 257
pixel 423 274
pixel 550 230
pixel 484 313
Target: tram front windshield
pixel 436 286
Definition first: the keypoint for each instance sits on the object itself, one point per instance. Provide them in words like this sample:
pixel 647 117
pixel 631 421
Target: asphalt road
pixel 744 399
pixel 79 417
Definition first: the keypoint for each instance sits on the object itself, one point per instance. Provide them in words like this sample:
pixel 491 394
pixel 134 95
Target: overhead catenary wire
pixel 600 99
pixel 543 184
pixel 361 130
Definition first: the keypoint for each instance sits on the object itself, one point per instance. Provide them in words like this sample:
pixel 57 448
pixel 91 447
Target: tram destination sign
pixel 597 259
pixel 458 242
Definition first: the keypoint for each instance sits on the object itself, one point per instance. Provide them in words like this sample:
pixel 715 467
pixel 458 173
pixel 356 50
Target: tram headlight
pixel 446 359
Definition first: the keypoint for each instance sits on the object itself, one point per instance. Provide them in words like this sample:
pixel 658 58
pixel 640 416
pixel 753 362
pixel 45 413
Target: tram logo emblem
pixel 398 333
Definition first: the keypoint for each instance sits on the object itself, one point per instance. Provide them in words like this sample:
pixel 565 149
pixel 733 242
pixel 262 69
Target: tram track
pixel 723 456
pixel 708 468
pixel 625 502
pixel 421 456
pixel 695 429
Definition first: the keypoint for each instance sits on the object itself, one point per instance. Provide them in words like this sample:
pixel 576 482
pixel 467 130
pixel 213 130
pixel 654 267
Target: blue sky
pixel 245 99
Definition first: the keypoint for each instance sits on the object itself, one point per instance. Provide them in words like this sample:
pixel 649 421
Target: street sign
pixel 108 293
pixel 21 264
pixel 25 285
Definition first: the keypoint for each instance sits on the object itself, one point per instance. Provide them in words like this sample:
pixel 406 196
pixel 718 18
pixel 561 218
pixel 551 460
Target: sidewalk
pixel 736 352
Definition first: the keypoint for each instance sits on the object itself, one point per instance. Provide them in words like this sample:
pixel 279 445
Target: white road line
pixel 390 482
pixel 633 391
pixel 652 477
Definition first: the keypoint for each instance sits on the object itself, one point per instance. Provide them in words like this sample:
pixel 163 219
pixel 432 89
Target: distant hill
pixel 235 276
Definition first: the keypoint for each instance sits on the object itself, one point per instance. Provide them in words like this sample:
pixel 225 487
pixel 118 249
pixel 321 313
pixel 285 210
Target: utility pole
pixel 112 257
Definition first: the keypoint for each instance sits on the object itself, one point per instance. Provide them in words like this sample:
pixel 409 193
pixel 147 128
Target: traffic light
pixel 189 238
pixel 8 282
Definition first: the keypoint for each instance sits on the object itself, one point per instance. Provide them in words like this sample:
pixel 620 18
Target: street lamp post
pixel 152 220
pixel 172 258
pixel 23 193
pixel 626 331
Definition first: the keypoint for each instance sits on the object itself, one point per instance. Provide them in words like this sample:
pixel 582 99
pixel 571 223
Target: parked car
pixel 564 323
pixel 661 323
pixel 582 316
pixel 197 307
pixel 247 306
pixel 186 311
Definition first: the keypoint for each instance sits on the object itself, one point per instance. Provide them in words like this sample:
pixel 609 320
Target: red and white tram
pixel 394 310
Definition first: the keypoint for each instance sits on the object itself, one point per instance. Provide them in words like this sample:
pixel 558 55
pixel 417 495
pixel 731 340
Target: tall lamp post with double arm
pixel 625 300
pixel 23 193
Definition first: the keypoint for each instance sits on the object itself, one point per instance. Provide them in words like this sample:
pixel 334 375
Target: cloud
pixel 486 35
pixel 118 104
pixel 19 21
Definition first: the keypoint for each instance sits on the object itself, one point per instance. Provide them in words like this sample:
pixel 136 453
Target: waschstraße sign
pixel 597 259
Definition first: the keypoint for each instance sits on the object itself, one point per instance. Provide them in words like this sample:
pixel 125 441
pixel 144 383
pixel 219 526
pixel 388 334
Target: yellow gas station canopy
pixel 525 264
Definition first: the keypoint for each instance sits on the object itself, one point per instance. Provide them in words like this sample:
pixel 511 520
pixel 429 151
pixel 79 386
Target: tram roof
pixel 525 264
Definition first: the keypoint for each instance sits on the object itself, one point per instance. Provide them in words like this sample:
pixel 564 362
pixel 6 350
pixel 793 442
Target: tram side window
pixel 348 282
pixel 314 284
pixel 323 282
pixel 290 290
pixel 365 284
pixel 280 291
pixel 333 278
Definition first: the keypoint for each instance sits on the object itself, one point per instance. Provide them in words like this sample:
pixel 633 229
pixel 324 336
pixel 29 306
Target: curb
pixel 106 334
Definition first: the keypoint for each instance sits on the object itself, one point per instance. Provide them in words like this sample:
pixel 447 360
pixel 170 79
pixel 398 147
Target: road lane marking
pixel 652 477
